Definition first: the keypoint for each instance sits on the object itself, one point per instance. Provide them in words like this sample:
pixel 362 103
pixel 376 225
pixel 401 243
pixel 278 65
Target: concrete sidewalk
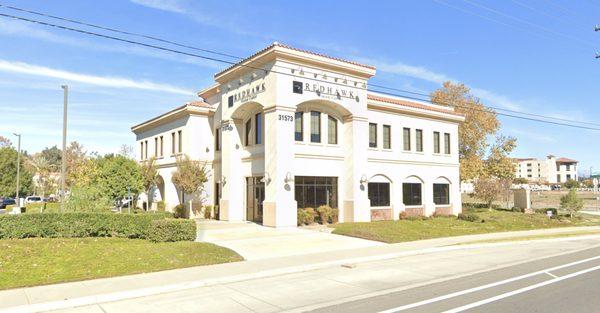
pixel 256 242
pixel 43 298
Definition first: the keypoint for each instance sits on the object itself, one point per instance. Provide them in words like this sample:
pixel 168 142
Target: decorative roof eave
pixel 413 108
pixel 277 51
pixel 194 108
pixel 208 92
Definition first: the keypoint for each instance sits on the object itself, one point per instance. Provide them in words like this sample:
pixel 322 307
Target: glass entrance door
pixel 255 195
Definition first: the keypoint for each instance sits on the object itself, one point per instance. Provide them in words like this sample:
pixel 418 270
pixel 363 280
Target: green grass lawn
pixel 39 261
pixel 495 221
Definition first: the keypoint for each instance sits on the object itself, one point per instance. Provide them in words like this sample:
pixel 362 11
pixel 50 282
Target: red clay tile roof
pixel 566 160
pixel 277 44
pixel 411 104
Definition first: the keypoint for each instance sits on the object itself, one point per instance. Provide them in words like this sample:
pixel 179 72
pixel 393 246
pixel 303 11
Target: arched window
pixel 379 191
pixel 412 191
pixel 441 191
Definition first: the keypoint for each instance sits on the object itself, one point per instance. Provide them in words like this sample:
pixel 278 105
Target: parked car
pixel 6 202
pixel 33 199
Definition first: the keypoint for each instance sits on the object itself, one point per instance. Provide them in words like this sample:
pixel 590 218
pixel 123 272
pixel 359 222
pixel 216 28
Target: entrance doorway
pixel 255 195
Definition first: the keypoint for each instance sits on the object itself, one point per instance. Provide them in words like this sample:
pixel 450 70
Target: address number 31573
pixel 286 118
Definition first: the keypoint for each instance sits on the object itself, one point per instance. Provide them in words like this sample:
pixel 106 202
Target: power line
pixel 293 75
pixel 488 111
pixel 489 106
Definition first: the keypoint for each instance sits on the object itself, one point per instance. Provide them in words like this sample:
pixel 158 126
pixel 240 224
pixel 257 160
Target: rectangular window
pixel 146 149
pixel 406 138
pixel 217 139
pixel 332 130
pixel 156 147
pixel 441 194
pixel 436 142
pixel 247 132
pixel 446 143
pixel 372 135
pixel 141 150
pixel 299 126
pixel 258 134
pixel 230 101
pixel 161 141
pixel 172 143
pixel 558 178
pixel 411 193
pixel 387 136
pixel 315 126
pixel 312 192
pixel 568 167
pixel 379 194
pixel 180 141
pixel 419 140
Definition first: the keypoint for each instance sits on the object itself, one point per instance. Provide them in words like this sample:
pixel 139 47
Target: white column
pixel 356 201
pixel 231 205
pixel 279 206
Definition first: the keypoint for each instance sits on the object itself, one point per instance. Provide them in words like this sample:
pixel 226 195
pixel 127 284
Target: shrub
pixel 169 230
pixel 469 217
pixel 76 225
pixel 335 214
pixel 87 199
pixel 324 214
pixel 160 206
pixel 208 212
pixel 518 210
pixel 306 216
pixel 179 211
pixel 403 215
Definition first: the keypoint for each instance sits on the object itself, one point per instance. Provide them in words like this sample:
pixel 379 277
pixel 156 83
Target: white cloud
pixel 439 78
pixel 165 5
pixel 113 82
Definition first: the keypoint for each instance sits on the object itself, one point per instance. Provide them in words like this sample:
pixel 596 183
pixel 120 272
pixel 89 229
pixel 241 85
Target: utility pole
pixel 18 203
pixel 64 149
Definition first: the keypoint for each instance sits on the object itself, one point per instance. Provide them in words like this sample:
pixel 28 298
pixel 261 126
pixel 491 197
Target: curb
pixel 143 292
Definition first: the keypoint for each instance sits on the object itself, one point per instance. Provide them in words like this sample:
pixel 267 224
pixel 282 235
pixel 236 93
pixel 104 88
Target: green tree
pixel 8 174
pixel 118 174
pixel 43 170
pixel 149 173
pixel 87 199
pixel 53 156
pixel 189 177
pixel 571 202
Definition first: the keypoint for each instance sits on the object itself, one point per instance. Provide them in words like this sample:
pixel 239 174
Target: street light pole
pixel 18 169
pixel 64 149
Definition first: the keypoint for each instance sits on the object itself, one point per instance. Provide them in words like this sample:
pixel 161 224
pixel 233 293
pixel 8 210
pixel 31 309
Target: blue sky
pixel 531 56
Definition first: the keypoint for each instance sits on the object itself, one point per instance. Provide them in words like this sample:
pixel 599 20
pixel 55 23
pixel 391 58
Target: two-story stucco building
pixel 551 170
pixel 288 128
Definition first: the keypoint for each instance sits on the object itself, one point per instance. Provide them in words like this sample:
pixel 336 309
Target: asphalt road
pixel 567 283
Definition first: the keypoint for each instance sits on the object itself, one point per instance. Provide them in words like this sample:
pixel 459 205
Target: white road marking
pixel 551 275
pixel 482 287
pixel 522 290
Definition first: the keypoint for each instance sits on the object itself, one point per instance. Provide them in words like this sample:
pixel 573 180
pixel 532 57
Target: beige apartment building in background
pixel 551 170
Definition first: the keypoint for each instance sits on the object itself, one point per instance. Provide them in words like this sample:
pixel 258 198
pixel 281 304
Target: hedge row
pixel 76 225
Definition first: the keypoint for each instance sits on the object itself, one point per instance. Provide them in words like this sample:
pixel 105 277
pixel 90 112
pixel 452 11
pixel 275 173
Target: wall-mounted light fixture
pixel 266 179
pixel 289 177
pixel 363 179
